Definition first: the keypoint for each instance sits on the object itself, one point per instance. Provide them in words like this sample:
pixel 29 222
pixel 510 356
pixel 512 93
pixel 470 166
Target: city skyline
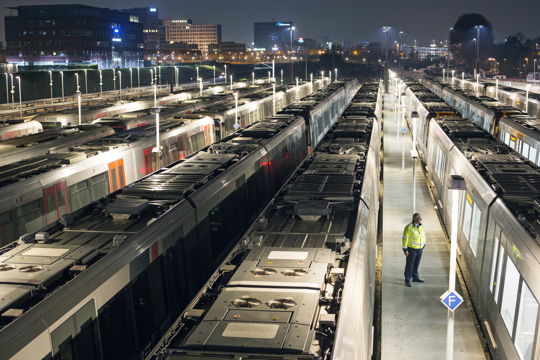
pixel 357 22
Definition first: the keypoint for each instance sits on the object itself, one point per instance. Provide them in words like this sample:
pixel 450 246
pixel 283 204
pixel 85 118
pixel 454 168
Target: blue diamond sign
pixel 451 300
pixel 236 126
pixel 403 129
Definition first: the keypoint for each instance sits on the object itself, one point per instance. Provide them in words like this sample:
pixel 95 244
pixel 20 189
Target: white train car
pixel 16 130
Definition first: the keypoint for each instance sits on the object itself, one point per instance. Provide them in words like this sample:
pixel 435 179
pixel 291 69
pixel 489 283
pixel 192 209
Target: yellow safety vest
pixel 414 237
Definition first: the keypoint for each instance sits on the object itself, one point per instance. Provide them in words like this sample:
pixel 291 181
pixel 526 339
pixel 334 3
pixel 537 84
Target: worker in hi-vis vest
pixel 414 241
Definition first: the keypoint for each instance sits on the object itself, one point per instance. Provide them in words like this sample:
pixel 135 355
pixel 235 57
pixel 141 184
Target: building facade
pixel 149 18
pixel 73 34
pixel 184 31
pixel 272 36
pixel 431 52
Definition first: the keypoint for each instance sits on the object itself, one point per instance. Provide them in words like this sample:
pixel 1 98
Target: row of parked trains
pixel 108 280
pixel 41 183
pixel 499 213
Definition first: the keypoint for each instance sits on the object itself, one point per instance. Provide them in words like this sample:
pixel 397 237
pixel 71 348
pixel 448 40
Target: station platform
pixel 414 320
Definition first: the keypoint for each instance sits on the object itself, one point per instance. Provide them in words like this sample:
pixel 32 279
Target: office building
pixel 185 31
pixel 149 18
pixel 73 34
pixel 272 36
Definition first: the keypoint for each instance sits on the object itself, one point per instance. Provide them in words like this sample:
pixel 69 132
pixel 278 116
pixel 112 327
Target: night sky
pixel 356 21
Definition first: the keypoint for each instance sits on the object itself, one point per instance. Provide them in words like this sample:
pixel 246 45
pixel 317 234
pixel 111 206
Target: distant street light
pixel 86 81
pixel 336 73
pixel 131 79
pixel 231 82
pixel 214 74
pixel 253 78
pixel 12 91
pixel 322 79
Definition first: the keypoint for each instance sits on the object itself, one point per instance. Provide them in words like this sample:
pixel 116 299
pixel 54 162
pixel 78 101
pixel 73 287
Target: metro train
pixel 38 191
pixel 483 110
pixel 68 117
pixel 300 283
pixel 18 129
pixel 125 266
pixel 506 94
pixel 47 142
pixel 498 229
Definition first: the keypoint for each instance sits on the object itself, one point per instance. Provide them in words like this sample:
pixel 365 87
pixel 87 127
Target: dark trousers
pixel 413 261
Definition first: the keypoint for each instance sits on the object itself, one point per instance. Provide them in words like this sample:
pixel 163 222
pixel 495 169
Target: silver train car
pixel 323 107
pixel 18 129
pixel 521 133
pixel 70 117
pixel 47 142
pixel 498 230
pixel 40 190
pixel 142 252
pixel 483 110
pixel 300 283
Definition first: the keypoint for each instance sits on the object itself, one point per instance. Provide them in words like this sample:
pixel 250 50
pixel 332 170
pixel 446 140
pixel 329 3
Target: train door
pixel 117 175
pixel 56 204
pixel 150 160
pixel 182 146
pixel 207 135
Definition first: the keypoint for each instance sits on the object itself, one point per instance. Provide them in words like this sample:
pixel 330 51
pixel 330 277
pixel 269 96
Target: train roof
pixel 92 232
pixel 527 124
pixel 307 226
pixel 511 176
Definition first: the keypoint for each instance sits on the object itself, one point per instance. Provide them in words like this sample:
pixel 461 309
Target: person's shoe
pixel 408 284
pixel 418 280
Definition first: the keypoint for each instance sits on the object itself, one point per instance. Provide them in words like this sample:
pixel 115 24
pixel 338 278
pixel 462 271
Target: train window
pixel 494 259
pixel 200 140
pixel 525 150
pixel 526 323
pixel 121 172
pixel 29 217
pixel 507 138
pixel 113 180
pixel 79 195
pixel 62 202
pixel 532 154
pixel 6 228
pixel 509 297
pixel 512 142
pixel 475 228
pixel 499 271
pixel 467 216
pixel 51 206
pixel 99 186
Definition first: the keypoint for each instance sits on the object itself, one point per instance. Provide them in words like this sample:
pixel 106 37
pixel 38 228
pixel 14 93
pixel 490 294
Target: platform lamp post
pixel 322 79
pixel 197 72
pixel 231 83
pixel 78 92
pixel 269 78
pixel 477 78
pixel 462 79
pixel 453 71
pixel 114 79
pixel 274 97
pixel 7 87
pixel 236 110
pixel 159 68
pixel 273 69
pixel 214 74
pixel 253 78
pixel 12 91
pixel 281 76
pixel 100 84
pixel 20 97
pixel 456 183
pixel 478 49
pixel 336 73
pixel 414 155
pixel 403 136
pixel 527 101
pixel 312 84
pixel 62 76
pixel 448 49
pixel 443 79
pixel 297 83
pixel 50 77
pixel 86 81
pixel 131 78
pixel 156 150
pixel 225 75
pixel 496 89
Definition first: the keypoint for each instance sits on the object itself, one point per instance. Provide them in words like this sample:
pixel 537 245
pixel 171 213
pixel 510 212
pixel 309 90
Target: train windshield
pixel 51 125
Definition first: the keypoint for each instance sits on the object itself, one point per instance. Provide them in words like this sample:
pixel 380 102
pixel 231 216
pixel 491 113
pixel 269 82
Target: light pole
pixel 526 102
pixel 131 79
pixel 399 50
pixel 414 155
pixel 269 78
pixel 322 79
pixel 231 82
pixel 157 149
pixel 159 68
pixel 12 91
pixel 455 183
pixel 443 79
pixel 236 110
pixel 291 66
pixel 78 92
pixel 62 74
pixel 453 77
pixel 462 79
pixel 386 29
pixel 197 74
pixel 7 87
pixel 273 69
pixel 336 73
pixel 86 81
pixel 20 97
pixel 225 75
pixel 448 51
pixel 496 89
pixel 253 78
pixel 100 84
pixel 478 49
pixel 274 97
pixel 50 76
pixel 176 75
pixel 114 78
pixel 214 74
pixel 120 78
pixel 281 76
